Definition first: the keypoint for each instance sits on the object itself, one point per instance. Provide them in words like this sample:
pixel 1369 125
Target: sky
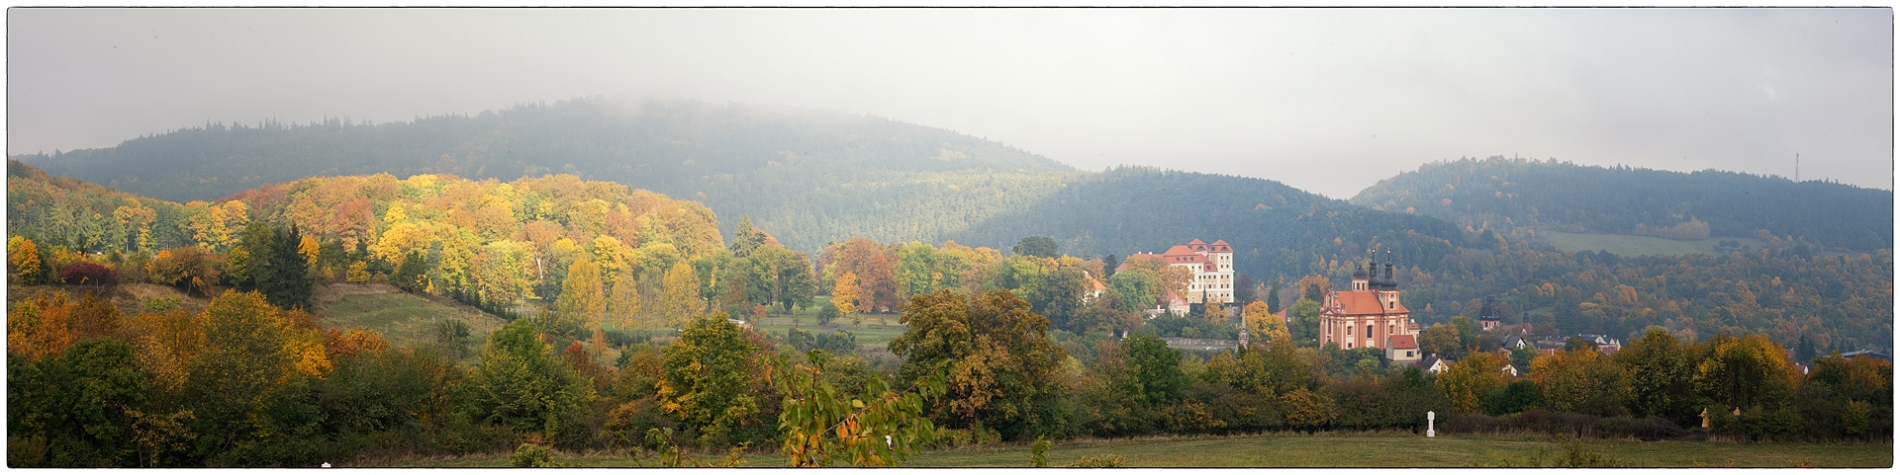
pixel 1326 100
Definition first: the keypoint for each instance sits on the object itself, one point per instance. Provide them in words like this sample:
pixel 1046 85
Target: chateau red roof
pixel 1404 342
pixel 1363 302
pixel 1183 255
pixel 1196 241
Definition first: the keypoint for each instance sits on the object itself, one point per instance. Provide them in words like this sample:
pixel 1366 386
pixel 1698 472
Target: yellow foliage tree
pixel 845 294
pixel 309 249
pixel 23 259
pixel 1263 326
pixel 581 303
pixel 358 273
pixel 1468 381
pixel 38 327
pixel 165 344
pixel 624 303
pixel 679 295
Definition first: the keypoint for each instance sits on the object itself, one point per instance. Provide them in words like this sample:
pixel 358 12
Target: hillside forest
pixel 634 326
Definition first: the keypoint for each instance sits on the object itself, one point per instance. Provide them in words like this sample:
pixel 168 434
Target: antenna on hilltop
pixel 1797 167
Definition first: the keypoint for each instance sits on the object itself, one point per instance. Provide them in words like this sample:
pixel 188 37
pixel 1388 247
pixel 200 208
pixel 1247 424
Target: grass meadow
pixel 1381 449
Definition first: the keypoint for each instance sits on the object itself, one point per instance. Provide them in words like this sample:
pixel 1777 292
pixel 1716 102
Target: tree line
pixel 1509 195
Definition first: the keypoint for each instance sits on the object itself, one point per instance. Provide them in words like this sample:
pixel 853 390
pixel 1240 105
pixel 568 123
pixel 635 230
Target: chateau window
pixel 1348 331
pixel 1368 330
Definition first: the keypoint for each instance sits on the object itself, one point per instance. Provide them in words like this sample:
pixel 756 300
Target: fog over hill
pixel 1504 194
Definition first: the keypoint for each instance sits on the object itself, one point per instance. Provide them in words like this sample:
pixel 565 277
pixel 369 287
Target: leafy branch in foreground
pixel 823 428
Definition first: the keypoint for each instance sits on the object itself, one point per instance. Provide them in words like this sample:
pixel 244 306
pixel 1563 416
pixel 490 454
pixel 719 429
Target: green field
pixel 404 319
pixel 1631 245
pixel 876 331
pixel 1338 450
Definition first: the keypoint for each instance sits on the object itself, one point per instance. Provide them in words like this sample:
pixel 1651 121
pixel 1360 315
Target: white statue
pixel 1429 429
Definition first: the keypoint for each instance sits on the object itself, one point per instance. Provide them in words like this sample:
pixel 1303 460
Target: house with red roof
pixel 1091 287
pixel 1404 349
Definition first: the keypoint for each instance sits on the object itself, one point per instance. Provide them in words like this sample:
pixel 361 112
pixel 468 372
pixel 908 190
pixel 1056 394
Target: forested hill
pixel 1502 194
pixel 1276 230
pixel 807 176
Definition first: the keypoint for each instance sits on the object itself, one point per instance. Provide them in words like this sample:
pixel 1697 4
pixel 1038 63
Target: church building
pixel 1368 314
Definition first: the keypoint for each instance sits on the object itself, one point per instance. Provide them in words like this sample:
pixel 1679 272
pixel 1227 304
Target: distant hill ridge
pixel 1503 194
pixel 808 175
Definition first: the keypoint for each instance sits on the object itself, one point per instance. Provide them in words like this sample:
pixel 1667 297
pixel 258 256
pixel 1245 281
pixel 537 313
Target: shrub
pixel 531 456
pixel 1649 428
pixel 1565 424
pixel 1099 461
pixel 826 314
pixel 88 273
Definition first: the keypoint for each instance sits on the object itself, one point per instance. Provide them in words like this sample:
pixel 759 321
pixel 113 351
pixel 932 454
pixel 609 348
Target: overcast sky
pixel 1328 100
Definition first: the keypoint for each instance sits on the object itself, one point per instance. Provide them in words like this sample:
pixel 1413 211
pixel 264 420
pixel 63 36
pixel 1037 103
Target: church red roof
pixel 1364 302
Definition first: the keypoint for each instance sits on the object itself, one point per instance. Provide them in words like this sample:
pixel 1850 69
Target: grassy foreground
pixel 1336 450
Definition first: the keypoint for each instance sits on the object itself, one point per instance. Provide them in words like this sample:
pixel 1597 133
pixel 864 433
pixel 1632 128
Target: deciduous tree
pixel 844 296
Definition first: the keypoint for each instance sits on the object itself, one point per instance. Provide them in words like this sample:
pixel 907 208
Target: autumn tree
pixel 23 260
pixel 1003 365
pixel 1262 325
pixel 1441 340
pixel 624 302
pixel 844 296
pixel 578 310
pixel 1581 381
pixel 1660 375
pixel 240 377
pixel 1467 382
pixel 707 381
pixel 1314 287
pixel 39 326
pixel 1743 372
pixel 679 302
pixel 521 383
pixel 876 283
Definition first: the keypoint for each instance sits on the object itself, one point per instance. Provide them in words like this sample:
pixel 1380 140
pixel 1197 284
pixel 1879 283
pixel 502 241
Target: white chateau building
pixel 1212 265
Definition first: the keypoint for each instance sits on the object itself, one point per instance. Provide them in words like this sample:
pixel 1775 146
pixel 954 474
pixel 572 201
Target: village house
pixel 1404 350
pixel 1091 287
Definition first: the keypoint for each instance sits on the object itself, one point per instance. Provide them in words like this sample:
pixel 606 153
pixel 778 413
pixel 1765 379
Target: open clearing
pixel 1631 245
pixel 877 330
pixel 1391 449
pixel 404 319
